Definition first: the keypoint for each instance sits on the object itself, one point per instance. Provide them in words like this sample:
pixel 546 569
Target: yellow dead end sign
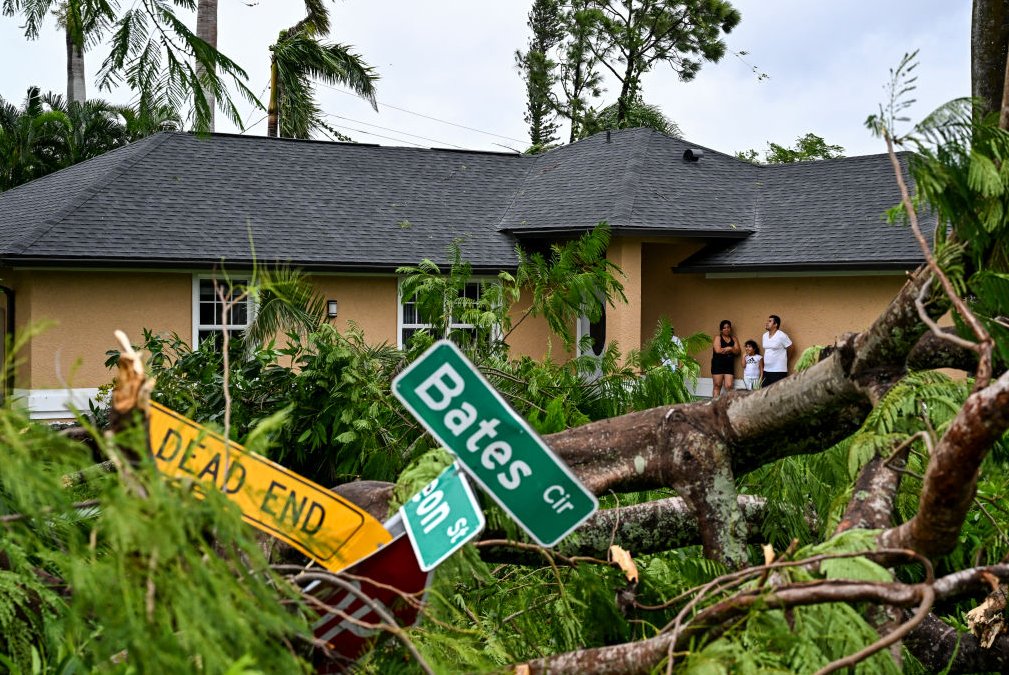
pixel 322 525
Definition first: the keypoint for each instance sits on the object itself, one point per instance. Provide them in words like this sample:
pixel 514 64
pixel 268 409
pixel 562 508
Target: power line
pixel 249 126
pixel 370 133
pixel 398 131
pixel 435 119
pixel 255 123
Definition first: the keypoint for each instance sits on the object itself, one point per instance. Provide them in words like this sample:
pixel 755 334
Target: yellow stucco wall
pixel 367 301
pixel 87 306
pixel 623 320
pixel 83 308
pixel 814 309
pixel 531 336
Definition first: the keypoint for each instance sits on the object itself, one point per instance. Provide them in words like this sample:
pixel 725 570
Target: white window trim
pixel 195 307
pixel 400 325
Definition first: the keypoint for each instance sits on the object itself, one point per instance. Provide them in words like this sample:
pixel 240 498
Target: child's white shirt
pixel 752 368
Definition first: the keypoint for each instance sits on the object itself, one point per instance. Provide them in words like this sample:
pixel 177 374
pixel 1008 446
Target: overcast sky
pixel 453 60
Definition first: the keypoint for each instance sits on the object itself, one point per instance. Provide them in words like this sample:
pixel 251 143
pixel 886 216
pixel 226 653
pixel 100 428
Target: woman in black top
pixel 723 359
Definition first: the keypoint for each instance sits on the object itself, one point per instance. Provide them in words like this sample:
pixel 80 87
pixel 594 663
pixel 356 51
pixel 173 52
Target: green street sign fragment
pixel 442 517
pixel 509 460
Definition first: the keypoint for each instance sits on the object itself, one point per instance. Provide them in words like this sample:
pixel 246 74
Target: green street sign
pixel 447 394
pixel 442 517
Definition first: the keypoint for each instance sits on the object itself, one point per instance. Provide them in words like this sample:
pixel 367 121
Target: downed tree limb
pixel 659 525
pixel 872 500
pixel 950 482
pixel 941 648
pixel 643 656
pixel 699 449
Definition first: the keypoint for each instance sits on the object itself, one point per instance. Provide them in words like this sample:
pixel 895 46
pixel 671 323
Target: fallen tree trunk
pixel 699 449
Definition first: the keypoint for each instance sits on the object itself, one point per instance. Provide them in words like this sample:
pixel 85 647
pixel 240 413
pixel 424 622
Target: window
pixel 411 320
pixel 208 310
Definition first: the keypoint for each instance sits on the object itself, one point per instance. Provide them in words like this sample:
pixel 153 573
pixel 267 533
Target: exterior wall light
pixel 331 309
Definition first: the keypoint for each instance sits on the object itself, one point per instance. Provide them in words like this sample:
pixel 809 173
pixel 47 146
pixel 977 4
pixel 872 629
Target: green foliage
pixel 344 421
pixel 809 357
pixel 157 55
pixel 960 173
pixel 638 114
pixel 152 579
pixel 300 56
pixel 807 148
pixel 576 42
pixel 285 300
pixel 805 495
pixel 449 301
pixel 576 279
pixel 804 641
pixel 151 50
pixel 191 381
pixel 631 39
pixel 46 134
pixel 539 72
pixel 805 638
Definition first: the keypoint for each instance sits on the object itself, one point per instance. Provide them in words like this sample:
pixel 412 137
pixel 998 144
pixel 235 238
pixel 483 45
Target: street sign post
pixel 318 522
pixel 447 394
pixel 442 517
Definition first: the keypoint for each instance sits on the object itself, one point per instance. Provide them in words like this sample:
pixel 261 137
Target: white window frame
pixel 401 325
pixel 198 326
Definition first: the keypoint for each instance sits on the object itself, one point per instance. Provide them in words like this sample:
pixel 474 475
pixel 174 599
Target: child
pixel 753 371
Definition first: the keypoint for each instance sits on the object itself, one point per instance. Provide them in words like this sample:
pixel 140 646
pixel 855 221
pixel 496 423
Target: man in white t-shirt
pixel 776 345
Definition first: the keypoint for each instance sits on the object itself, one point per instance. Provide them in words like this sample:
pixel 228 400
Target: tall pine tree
pixel 540 73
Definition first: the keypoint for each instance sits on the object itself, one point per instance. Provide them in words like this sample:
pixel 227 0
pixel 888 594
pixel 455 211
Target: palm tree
pixel 84 130
pixel 139 125
pixel 28 141
pixel 206 30
pixel 82 22
pixel 296 59
pixel 48 133
pixel 151 50
pixel 285 301
pixel 638 114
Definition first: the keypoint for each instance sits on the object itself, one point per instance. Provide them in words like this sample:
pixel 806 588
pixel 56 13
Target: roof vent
pixel 693 154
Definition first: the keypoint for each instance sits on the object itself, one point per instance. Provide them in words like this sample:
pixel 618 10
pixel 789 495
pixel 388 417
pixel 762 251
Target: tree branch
pixel 951 478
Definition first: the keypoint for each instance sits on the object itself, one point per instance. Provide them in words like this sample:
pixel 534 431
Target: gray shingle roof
pixel 194 200
pixel 817 215
pixel 179 200
pixel 637 180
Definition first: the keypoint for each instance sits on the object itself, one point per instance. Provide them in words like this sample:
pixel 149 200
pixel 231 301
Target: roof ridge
pixel 833 160
pixel 631 178
pixel 87 194
pixel 500 225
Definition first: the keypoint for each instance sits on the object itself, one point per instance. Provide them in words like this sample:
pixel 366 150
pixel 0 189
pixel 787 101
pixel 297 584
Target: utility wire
pixel 255 123
pixel 249 126
pixel 397 131
pixel 369 133
pixel 435 119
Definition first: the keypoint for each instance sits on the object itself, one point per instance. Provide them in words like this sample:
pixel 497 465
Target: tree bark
pixel 871 505
pixel 698 449
pixel 272 111
pixel 942 649
pixel 989 47
pixel 951 478
pixel 76 83
pixel 652 527
pixel 206 30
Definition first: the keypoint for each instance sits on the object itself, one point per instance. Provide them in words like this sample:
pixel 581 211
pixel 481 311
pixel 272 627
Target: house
pixel 131 239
